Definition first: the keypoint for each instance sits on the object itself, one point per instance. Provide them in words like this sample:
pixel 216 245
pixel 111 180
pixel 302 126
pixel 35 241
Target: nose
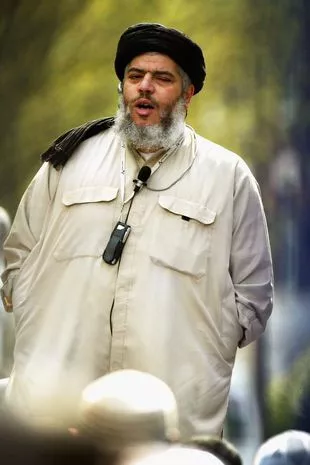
pixel 146 83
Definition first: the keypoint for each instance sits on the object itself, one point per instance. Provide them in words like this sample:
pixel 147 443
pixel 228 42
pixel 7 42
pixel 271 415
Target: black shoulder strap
pixel 63 147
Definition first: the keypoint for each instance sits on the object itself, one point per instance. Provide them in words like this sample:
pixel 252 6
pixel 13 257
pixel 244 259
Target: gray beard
pixel 154 137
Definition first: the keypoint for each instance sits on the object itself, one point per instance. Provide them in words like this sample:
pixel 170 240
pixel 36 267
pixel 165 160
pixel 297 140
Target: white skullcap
pixel 128 407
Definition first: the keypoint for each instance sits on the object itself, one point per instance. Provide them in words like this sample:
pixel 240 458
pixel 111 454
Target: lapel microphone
pixel 143 176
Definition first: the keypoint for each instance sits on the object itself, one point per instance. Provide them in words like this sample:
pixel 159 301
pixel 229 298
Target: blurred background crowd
pixel 56 63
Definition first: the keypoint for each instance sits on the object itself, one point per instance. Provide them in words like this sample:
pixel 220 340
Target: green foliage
pixel 57 71
pixel 285 393
pixel 27 33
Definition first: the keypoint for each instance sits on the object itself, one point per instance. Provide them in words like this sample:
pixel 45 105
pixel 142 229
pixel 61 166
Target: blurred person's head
pixel 288 448
pixel 174 455
pixel 128 407
pixel 220 447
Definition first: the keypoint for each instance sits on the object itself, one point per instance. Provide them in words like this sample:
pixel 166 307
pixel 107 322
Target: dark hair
pixel 221 448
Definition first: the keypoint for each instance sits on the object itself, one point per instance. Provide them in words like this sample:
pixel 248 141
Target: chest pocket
pixel 86 222
pixel 182 236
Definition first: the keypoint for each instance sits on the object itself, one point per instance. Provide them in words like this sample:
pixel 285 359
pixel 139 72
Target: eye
pixel 164 79
pixel 134 77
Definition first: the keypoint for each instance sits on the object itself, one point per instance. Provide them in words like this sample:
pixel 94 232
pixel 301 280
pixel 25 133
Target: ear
pixel 120 88
pixel 188 94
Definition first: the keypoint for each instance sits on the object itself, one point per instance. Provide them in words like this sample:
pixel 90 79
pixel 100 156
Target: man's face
pixel 152 86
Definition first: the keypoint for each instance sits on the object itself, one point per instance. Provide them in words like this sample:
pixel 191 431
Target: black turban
pixel 151 37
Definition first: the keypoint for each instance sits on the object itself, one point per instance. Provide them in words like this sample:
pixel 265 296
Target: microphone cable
pixel 143 175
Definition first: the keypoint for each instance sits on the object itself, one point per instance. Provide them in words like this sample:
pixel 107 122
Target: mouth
pixel 144 107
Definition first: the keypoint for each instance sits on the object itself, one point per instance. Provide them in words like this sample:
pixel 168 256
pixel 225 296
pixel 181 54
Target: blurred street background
pixel 56 71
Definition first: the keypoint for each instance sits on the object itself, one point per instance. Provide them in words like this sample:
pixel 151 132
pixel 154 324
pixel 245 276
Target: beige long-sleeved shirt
pixel 194 281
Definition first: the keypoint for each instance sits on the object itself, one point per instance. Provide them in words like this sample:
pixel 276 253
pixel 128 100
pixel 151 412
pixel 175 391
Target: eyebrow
pixel 154 73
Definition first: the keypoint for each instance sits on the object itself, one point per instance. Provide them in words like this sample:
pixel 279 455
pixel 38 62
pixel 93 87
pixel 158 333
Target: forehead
pixel 154 62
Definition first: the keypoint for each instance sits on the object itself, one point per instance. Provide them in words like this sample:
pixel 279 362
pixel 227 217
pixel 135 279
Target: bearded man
pixel 113 265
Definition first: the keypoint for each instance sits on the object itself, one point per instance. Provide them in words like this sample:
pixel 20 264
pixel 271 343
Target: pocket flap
pixel 184 207
pixel 89 194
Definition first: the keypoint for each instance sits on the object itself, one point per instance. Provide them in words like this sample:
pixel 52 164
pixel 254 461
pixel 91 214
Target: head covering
pixel 152 37
pixel 127 407
pixel 289 448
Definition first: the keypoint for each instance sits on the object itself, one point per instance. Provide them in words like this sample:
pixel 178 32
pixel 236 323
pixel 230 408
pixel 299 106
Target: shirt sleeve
pixel 27 227
pixel 250 261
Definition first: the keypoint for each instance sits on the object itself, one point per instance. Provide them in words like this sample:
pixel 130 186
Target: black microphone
pixel 143 176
